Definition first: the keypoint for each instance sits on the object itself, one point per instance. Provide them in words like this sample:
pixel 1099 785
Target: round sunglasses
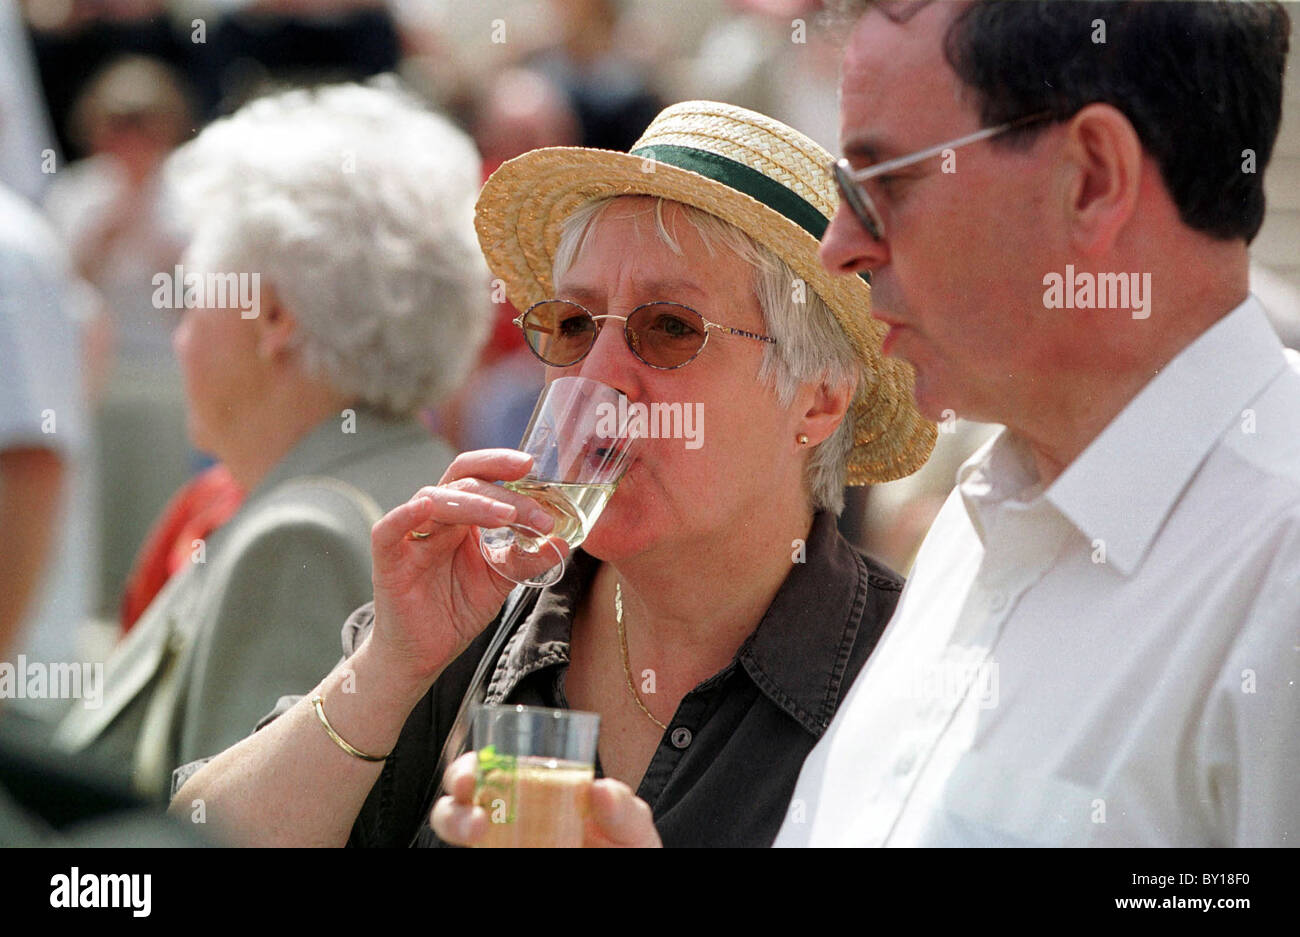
pixel 663 335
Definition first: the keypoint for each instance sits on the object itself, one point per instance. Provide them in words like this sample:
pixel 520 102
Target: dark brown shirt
pixel 726 767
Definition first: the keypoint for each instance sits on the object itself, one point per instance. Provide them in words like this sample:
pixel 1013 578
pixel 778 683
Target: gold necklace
pixel 627 667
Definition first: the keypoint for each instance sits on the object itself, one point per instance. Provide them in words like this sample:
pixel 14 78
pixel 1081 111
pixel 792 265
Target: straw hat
pixel 754 172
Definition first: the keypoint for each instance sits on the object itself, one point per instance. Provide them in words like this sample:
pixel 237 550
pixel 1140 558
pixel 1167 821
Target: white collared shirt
pixel 1114 661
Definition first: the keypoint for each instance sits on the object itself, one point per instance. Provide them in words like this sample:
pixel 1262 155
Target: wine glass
pixel 580 447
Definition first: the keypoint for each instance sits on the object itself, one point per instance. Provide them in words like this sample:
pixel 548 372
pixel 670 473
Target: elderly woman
pixel 718 569
pixel 332 288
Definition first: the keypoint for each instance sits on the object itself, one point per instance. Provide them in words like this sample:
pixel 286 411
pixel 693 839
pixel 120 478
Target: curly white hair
pixel 355 204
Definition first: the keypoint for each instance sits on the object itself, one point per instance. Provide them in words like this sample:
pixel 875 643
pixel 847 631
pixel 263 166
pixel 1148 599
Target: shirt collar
pixel 1122 487
pixel 797 655
pixel 1000 470
pixel 543 638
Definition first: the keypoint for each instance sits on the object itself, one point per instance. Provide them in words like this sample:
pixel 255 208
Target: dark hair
pixel 1199 81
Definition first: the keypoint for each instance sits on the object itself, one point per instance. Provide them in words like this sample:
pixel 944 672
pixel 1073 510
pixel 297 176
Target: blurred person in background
pixel 255 45
pixel 114 210
pixel 612 96
pixel 348 212
pixel 55 337
pixel 519 110
pixel 228 50
pixel 27 139
pixel 45 579
pixel 111 206
pixel 774 55
pixel 75 39
pixel 46 799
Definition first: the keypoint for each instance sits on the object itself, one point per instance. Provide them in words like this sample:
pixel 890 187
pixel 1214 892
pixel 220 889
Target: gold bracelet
pixel 319 702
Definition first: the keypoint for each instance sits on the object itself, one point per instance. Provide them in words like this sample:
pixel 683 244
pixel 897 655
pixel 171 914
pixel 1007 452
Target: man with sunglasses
pixel 1097 643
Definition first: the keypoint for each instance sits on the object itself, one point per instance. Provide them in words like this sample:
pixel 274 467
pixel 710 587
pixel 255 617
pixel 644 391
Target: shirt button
pixel 681 737
pixel 905 764
pixel 998 601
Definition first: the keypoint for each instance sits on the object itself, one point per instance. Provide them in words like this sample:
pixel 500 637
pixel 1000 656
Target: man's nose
pixel 848 248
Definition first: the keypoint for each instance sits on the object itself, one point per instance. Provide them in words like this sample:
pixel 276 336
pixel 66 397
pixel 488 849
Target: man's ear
pixel 1103 156
pixel 824 412
pixel 276 327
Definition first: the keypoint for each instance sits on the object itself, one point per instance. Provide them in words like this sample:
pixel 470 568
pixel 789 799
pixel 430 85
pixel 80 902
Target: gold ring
pixel 419 534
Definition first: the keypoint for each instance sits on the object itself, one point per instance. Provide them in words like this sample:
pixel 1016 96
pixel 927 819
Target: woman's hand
pixel 615 816
pixel 435 594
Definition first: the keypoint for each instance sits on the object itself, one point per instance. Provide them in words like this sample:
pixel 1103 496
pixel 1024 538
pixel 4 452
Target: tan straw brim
pixel 525 202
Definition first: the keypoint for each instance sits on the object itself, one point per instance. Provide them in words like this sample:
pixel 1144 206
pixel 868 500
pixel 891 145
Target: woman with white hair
pixel 685 271
pixel 331 288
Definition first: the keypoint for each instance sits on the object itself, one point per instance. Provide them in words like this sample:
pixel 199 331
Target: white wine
pixel 574 505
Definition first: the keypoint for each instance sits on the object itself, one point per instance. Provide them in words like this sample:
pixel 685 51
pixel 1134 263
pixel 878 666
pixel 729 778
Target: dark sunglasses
pixel 663 335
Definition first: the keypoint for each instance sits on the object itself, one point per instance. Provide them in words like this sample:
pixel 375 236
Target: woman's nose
pixel 610 361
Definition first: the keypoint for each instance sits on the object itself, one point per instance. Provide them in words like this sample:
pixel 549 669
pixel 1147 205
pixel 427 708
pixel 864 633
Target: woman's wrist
pixel 394 681
pixel 368 699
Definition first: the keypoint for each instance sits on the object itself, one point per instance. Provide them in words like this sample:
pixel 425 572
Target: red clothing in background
pixel 205 503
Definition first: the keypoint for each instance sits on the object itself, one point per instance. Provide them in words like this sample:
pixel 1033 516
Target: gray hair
pixel 356 206
pixel 810 345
